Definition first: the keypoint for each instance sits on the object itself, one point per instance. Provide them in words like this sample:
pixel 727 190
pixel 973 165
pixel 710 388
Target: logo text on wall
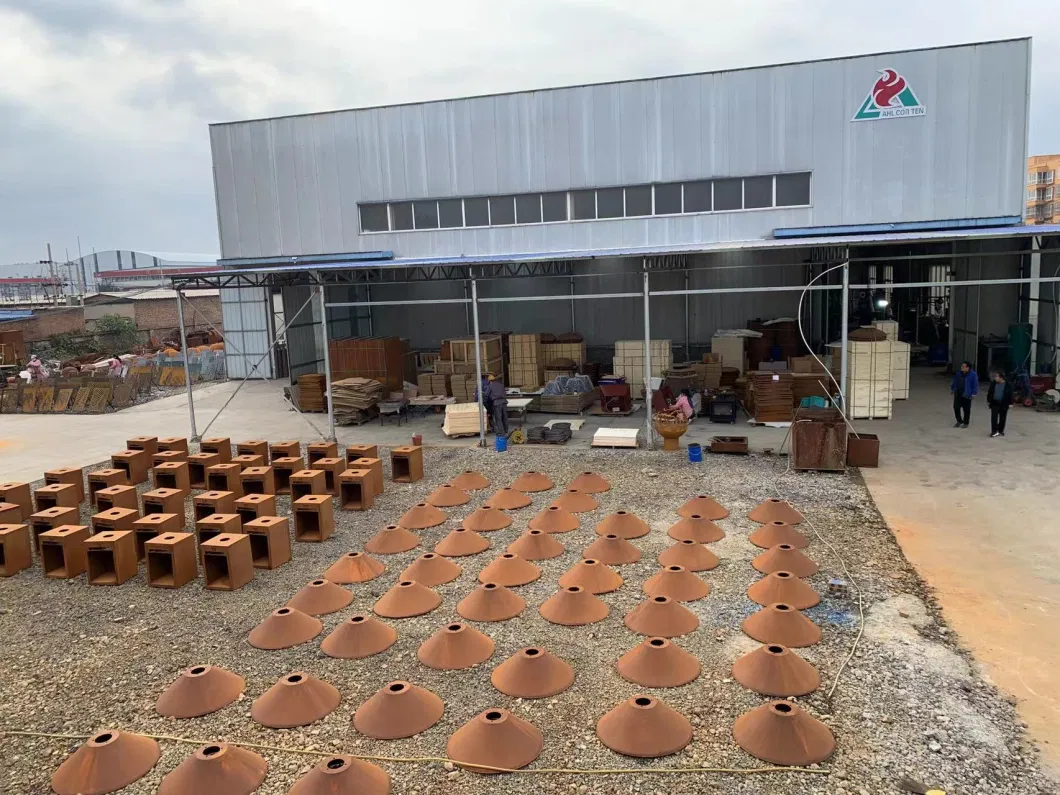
pixel 891 98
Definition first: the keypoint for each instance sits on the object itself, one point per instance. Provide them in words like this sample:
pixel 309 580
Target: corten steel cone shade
pixel 693 556
pixel 469 480
pixel 644 727
pixel 611 550
pixel 343 775
pixel 431 569
pixel 592 576
pixel 702 505
pixel 573 607
pixel 218 767
pixel 783 625
pixel 455 646
pixel 656 662
pixel 447 496
pixel 784 557
pixel 624 525
pixel 198 691
pixel 555 520
pixel 487 519
pixel 783 586
pixel 491 602
pixel 391 540
pixel 509 499
pixel 460 543
pixel 358 637
pixel 354 567
pixel 576 501
pixel 536 545
pixel 773 533
pixel 776 670
pixel 784 734
pixel 533 481
pixel 774 510
pixel 107 762
pixel 590 483
pixel 495 741
pixel 696 528
pixel 509 570
pixel 297 699
pixel 532 673
pixel 398 710
pixel 678 583
pixel 320 597
pixel 407 599
pixel 420 517
pixel 661 617
pixel 284 628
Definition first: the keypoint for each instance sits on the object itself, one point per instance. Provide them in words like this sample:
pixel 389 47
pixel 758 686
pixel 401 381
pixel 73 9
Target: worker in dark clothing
pixel 487 401
pixel 999 398
pixel 965 386
pixel 499 399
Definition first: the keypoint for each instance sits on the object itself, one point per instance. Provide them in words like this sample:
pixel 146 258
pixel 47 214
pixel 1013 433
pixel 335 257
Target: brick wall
pixel 46 322
pixel 161 314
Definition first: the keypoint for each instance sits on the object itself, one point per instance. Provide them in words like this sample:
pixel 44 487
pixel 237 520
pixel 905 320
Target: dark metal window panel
pixel 668 199
pixel 554 206
pixel 583 203
pixel 426 214
pixel 793 190
pixel 609 203
pixel 697 197
pixel 450 213
pixel 502 210
pixel 757 192
pixel 728 194
pixel 401 215
pixel 374 218
pixel 476 212
pixel 528 208
pixel 638 201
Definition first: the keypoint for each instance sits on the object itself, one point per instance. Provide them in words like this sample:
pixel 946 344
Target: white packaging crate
pixel 900 357
pixel 730 349
pixel 888 327
pixel 868 399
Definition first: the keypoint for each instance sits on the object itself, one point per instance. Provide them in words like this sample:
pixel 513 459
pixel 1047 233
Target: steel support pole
pixel 843 331
pixel 573 325
pixel 647 364
pixel 187 369
pixel 467 311
pixel 371 321
pixel 688 322
pixel 1033 294
pixel 327 363
pixel 478 367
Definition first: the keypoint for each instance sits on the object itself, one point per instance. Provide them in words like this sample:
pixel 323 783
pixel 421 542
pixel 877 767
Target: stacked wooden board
pixel 630 356
pixel 615 437
pixel 355 399
pixel 772 395
pixel 526 361
pixel 463 388
pixel 869 373
pixel 311 392
pixel 379 358
pixel 462 419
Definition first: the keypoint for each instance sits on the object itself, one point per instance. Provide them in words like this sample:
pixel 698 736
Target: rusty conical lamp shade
pixel 320 597
pixel 533 481
pixel 783 586
pixel 784 557
pixel 495 739
pixel 398 710
pixel 656 662
pixel 776 670
pixel 358 637
pixel 455 646
pixel 532 673
pixel 624 525
pixel 773 533
pixel 491 602
pixel 555 520
pixel 447 496
pixel 461 543
pixel 420 517
pixel 354 567
pixel 469 480
pixel 696 528
pixel 575 501
pixel 198 691
pixel 218 767
pixel 783 625
pixel 774 510
pixel 784 734
pixel 107 762
pixel 283 629
pixel 678 583
pixel 391 540
pixel 487 519
pixel 431 569
pixel 297 699
pixel 509 499
pixel 690 555
pixel 573 607
pixel 644 727
pixel 592 576
pixel 536 545
pixel 590 483
pixel 705 506
pixel 509 570
pixel 661 617
pixel 343 775
pixel 406 599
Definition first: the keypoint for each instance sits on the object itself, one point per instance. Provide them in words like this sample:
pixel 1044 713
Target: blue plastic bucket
pixel 695 453
pixel 501 444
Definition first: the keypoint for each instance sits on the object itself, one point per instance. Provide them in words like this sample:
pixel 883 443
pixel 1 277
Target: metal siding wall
pixel 305 352
pixel 244 312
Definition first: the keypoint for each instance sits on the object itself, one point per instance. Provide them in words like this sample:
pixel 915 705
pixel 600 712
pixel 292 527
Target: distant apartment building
pixel 1043 190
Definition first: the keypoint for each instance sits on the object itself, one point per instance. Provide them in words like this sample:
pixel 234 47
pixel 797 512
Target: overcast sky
pixel 104 104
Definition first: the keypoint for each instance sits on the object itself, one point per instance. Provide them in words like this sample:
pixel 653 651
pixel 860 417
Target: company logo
pixel 891 98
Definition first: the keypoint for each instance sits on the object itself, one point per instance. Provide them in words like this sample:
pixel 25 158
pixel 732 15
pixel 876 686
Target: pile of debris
pixel 355 399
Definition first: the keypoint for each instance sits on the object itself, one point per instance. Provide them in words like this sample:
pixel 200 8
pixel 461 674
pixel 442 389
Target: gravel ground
pixel 78 659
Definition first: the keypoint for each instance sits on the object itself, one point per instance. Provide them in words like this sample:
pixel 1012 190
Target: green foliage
pixel 113 335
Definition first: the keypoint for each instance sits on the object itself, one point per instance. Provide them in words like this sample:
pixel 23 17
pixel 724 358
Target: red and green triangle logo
pixel 890 98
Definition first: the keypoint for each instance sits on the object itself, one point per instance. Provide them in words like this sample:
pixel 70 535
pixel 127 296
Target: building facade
pixel 1043 190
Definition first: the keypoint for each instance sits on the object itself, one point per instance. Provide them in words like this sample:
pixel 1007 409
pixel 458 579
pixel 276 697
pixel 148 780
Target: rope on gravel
pixel 442 759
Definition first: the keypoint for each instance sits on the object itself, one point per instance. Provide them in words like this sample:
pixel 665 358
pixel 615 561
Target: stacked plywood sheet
pixel 615 437
pixel 869 373
pixel 629 360
pixel 433 384
pixel 526 361
pixel 772 395
pixel 355 399
pixel 888 327
pixel 463 387
pixel 557 351
pixel 462 419
pixel 900 356
pixel 311 392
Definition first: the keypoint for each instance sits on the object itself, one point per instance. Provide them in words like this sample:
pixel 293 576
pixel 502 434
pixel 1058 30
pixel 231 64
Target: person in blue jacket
pixel 965 386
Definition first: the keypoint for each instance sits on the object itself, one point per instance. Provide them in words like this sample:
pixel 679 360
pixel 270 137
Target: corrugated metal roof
pixel 150 295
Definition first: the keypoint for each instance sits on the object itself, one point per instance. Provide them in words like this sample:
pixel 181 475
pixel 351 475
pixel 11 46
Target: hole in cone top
pixel 102 739
pixel 643 701
pixel 781 607
pixel 661 599
pixel 391 527
pixel 198 670
pixel 774 500
pixel 460 530
pixel 553 508
pixel 574 589
pixel 353 554
pixel 317 582
pixel 782 709
pixel 428 556
pixel 657 642
pixel 396 687
pixel 590 562
pixel 455 627
pixel 487 507
pixel 531 652
pixel 537 532
pixel 620 513
pixel 687 542
pixel 777 523
pixel 211 750
pixel 356 619
pixel 421 505
pixel 294 678
pixel 508 555
pixel 587 473
pixel 283 611
pixel 489 586
pixel 336 764
pixel 611 536
pixel 783 574
pixel 775 649
pixel 695 516
pixel 785 547
pixel 675 568
pixel 406 584
pixel 493 717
